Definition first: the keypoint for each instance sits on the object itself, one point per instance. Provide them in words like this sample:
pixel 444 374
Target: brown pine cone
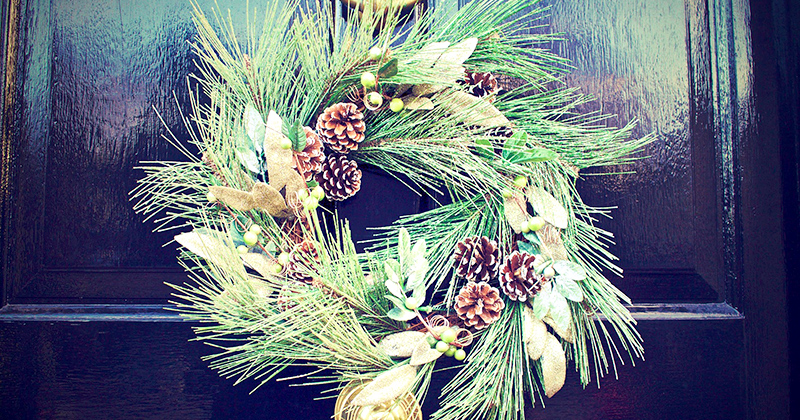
pixel 477 259
pixel 479 304
pixel 340 178
pixel 341 127
pixel 480 84
pixel 302 260
pixel 518 278
pixel 309 161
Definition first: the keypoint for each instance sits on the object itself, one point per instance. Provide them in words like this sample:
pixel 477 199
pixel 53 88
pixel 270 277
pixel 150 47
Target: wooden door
pixel 83 332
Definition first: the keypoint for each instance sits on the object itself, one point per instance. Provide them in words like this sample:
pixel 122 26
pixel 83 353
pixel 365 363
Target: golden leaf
pixel 387 386
pixel 210 247
pixel 551 244
pixel 415 103
pixel 514 209
pixel 548 207
pixel 423 353
pixel 566 335
pixel 401 344
pixel 534 334
pixel 554 366
pixel 471 109
pixel 260 263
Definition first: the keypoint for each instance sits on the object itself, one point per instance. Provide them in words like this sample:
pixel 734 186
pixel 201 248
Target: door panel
pixel 82 332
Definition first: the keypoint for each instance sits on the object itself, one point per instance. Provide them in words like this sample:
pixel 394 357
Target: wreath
pixel 504 275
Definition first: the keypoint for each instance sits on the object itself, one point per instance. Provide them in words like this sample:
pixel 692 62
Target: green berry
pixel 285 143
pixel 507 193
pixel 375 99
pixel 448 336
pixel 242 249
pixel 310 203
pixel 521 181
pixel 211 197
pixel 368 80
pixel 525 227
pixel 250 238
pixel 302 195
pixel 412 303
pixel 460 355
pixel 255 229
pixel 396 105
pixel 277 268
pixel 442 347
pixel 318 193
pixel 431 340
pixel 549 272
pixel 451 351
pixel 536 223
pixel 375 53
pixel 283 258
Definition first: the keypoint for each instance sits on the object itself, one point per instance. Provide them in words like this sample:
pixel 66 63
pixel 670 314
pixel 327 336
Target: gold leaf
pixel 260 263
pixel 423 353
pixel 262 196
pixel 554 366
pixel 428 54
pixel 402 89
pixel 551 244
pixel 210 247
pixel 416 103
pixel 401 344
pixel 266 197
pixel 566 335
pixel 233 198
pixel 426 89
pixel 514 209
pixel 457 54
pixel 548 207
pixel 471 109
pixel 534 334
pixel 387 386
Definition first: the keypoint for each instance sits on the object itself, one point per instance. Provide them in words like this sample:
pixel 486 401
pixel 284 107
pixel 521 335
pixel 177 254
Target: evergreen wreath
pixel 504 276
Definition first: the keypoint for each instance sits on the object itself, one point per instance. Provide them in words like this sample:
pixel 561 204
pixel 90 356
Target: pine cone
pixel 479 304
pixel 477 259
pixel 480 84
pixel 309 161
pixel 340 178
pixel 302 260
pixel 518 277
pixel 341 127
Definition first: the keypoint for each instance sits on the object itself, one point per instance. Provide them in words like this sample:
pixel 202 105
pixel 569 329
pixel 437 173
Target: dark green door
pixel 698 225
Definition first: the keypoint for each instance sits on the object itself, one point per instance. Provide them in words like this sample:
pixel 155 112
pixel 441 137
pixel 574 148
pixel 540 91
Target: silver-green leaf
pixel 569 289
pixel 248 159
pixel 569 269
pixel 254 124
pixel 401 314
pixel 559 311
pixel 541 302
